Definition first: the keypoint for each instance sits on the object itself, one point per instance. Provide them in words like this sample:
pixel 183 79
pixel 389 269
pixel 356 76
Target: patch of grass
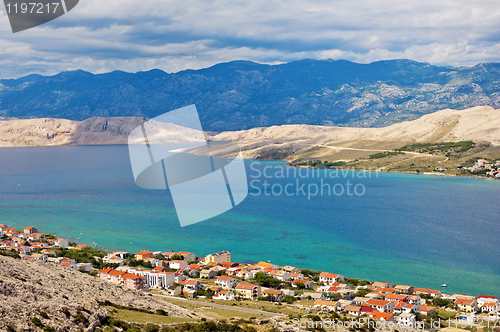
pixel 385 154
pixel 448 147
pixel 141 317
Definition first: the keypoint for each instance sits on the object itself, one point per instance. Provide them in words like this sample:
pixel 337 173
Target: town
pixel 215 276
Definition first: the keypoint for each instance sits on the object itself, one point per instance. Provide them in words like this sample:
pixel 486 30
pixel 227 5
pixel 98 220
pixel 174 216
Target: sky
pixel 137 35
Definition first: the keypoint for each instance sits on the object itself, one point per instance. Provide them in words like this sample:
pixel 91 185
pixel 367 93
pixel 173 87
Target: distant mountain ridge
pixel 241 95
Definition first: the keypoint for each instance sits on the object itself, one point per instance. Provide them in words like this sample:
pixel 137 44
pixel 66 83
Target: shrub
pixel 36 321
pixel 44 314
pixel 161 312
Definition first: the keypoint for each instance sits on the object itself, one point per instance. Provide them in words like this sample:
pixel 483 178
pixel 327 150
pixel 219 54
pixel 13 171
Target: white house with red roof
pixel 224 295
pixel 330 278
pixel 226 282
pixel 307 283
pixel 177 264
pixel 191 284
pixel 490 307
pixel 482 299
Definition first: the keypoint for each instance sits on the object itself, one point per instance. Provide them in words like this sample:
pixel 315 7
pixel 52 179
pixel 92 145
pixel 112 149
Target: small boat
pixel 444 285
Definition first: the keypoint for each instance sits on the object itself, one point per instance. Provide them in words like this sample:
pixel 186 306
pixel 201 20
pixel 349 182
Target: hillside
pixel 243 95
pixel 358 147
pixel 68 298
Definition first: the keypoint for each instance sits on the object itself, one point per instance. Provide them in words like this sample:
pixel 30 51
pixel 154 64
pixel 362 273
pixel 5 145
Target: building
pixel 482 299
pixel 308 284
pixel 407 319
pixel 381 305
pixel 174 290
pixel 219 257
pixel 63 243
pixel 276 295
pixel 466 305
pixel 224 295
pixel 132 281
pixel 353 310
pixel 226 282
pixel 291 269
pixel 247 291
pixel 381 285
pixel 86 267
pixel 490 307
pixel 404 289
pixel 209 274
pixel 177 264
pixel 326 305
pixel 143 255
pixel 382 316
pixel 187 256
pixel 191 284
pixel 330 278
pixel 30 230
pixel 427 291
pixel 280 275
pixel 426 309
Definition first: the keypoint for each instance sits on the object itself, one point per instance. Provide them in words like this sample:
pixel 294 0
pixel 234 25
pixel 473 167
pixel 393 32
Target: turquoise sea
pixel 422 230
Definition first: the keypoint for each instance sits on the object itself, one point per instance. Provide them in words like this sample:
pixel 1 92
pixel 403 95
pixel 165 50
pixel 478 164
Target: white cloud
pixel 133 35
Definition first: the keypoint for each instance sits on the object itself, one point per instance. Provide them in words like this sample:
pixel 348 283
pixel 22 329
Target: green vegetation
pixel 319 163
pixel 448 147
pixel 36 321
pixel 82 255
pixel 265 280
pixel 356 282
pixel 384 154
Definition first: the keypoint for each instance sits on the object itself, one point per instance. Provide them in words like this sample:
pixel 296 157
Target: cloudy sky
pixel 135 35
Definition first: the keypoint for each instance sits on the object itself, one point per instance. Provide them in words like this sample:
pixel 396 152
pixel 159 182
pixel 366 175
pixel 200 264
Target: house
pixel 381 305
pixel 3 228
pixel 63 243
pixel 191 284
pixel 132 281
pixel 68 265
pixel 190 293
pixel 224 295
pixel 353 310
pixel 248 291
pixel 341 304
pixel 291 269
pixel 328 305
pixel 86 267
pixel 359 300
pixel 482 299
pixel 177 264
pixel 397 297
pixel 40 257
pixel 402 307
pixel 314 296
pixel 156 279
pixel 490 307
pixel 382 316
pixel 427 291
pixel 187 256
pixel 381 285
pixel 219 257
pixel 209 274
pixel 346 292
pixel 406 319
pixel 385 290
pixel 30 230
pixel 308 284
pixel 426 310
pixel 294 275
pixel 466 305
pixel 415 299
pixel 330 278
pixel 168 255
pixel 142 255
pixel 112 260
pixel 366 311
pixel 215 289
pixel 179 277
pixel 280 275
pixel 268 265
pixel 226 265
pixel 226 282
pixel 276 295
pixel 174 290
pixel 404 289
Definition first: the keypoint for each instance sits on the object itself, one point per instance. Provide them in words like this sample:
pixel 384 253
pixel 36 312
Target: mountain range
pixel 242 95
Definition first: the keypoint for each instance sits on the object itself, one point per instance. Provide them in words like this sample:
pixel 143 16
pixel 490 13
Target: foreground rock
pixel 70 299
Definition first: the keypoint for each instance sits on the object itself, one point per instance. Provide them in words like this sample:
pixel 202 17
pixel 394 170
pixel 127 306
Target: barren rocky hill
pixel 29 288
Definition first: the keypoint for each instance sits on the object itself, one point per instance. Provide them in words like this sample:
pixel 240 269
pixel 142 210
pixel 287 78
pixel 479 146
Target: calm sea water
pixel 421 230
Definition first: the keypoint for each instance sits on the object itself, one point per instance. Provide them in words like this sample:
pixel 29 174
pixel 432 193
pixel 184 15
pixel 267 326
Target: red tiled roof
pixel 245 286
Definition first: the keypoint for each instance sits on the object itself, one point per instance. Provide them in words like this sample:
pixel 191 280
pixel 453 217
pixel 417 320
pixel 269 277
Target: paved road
pixel 221 306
